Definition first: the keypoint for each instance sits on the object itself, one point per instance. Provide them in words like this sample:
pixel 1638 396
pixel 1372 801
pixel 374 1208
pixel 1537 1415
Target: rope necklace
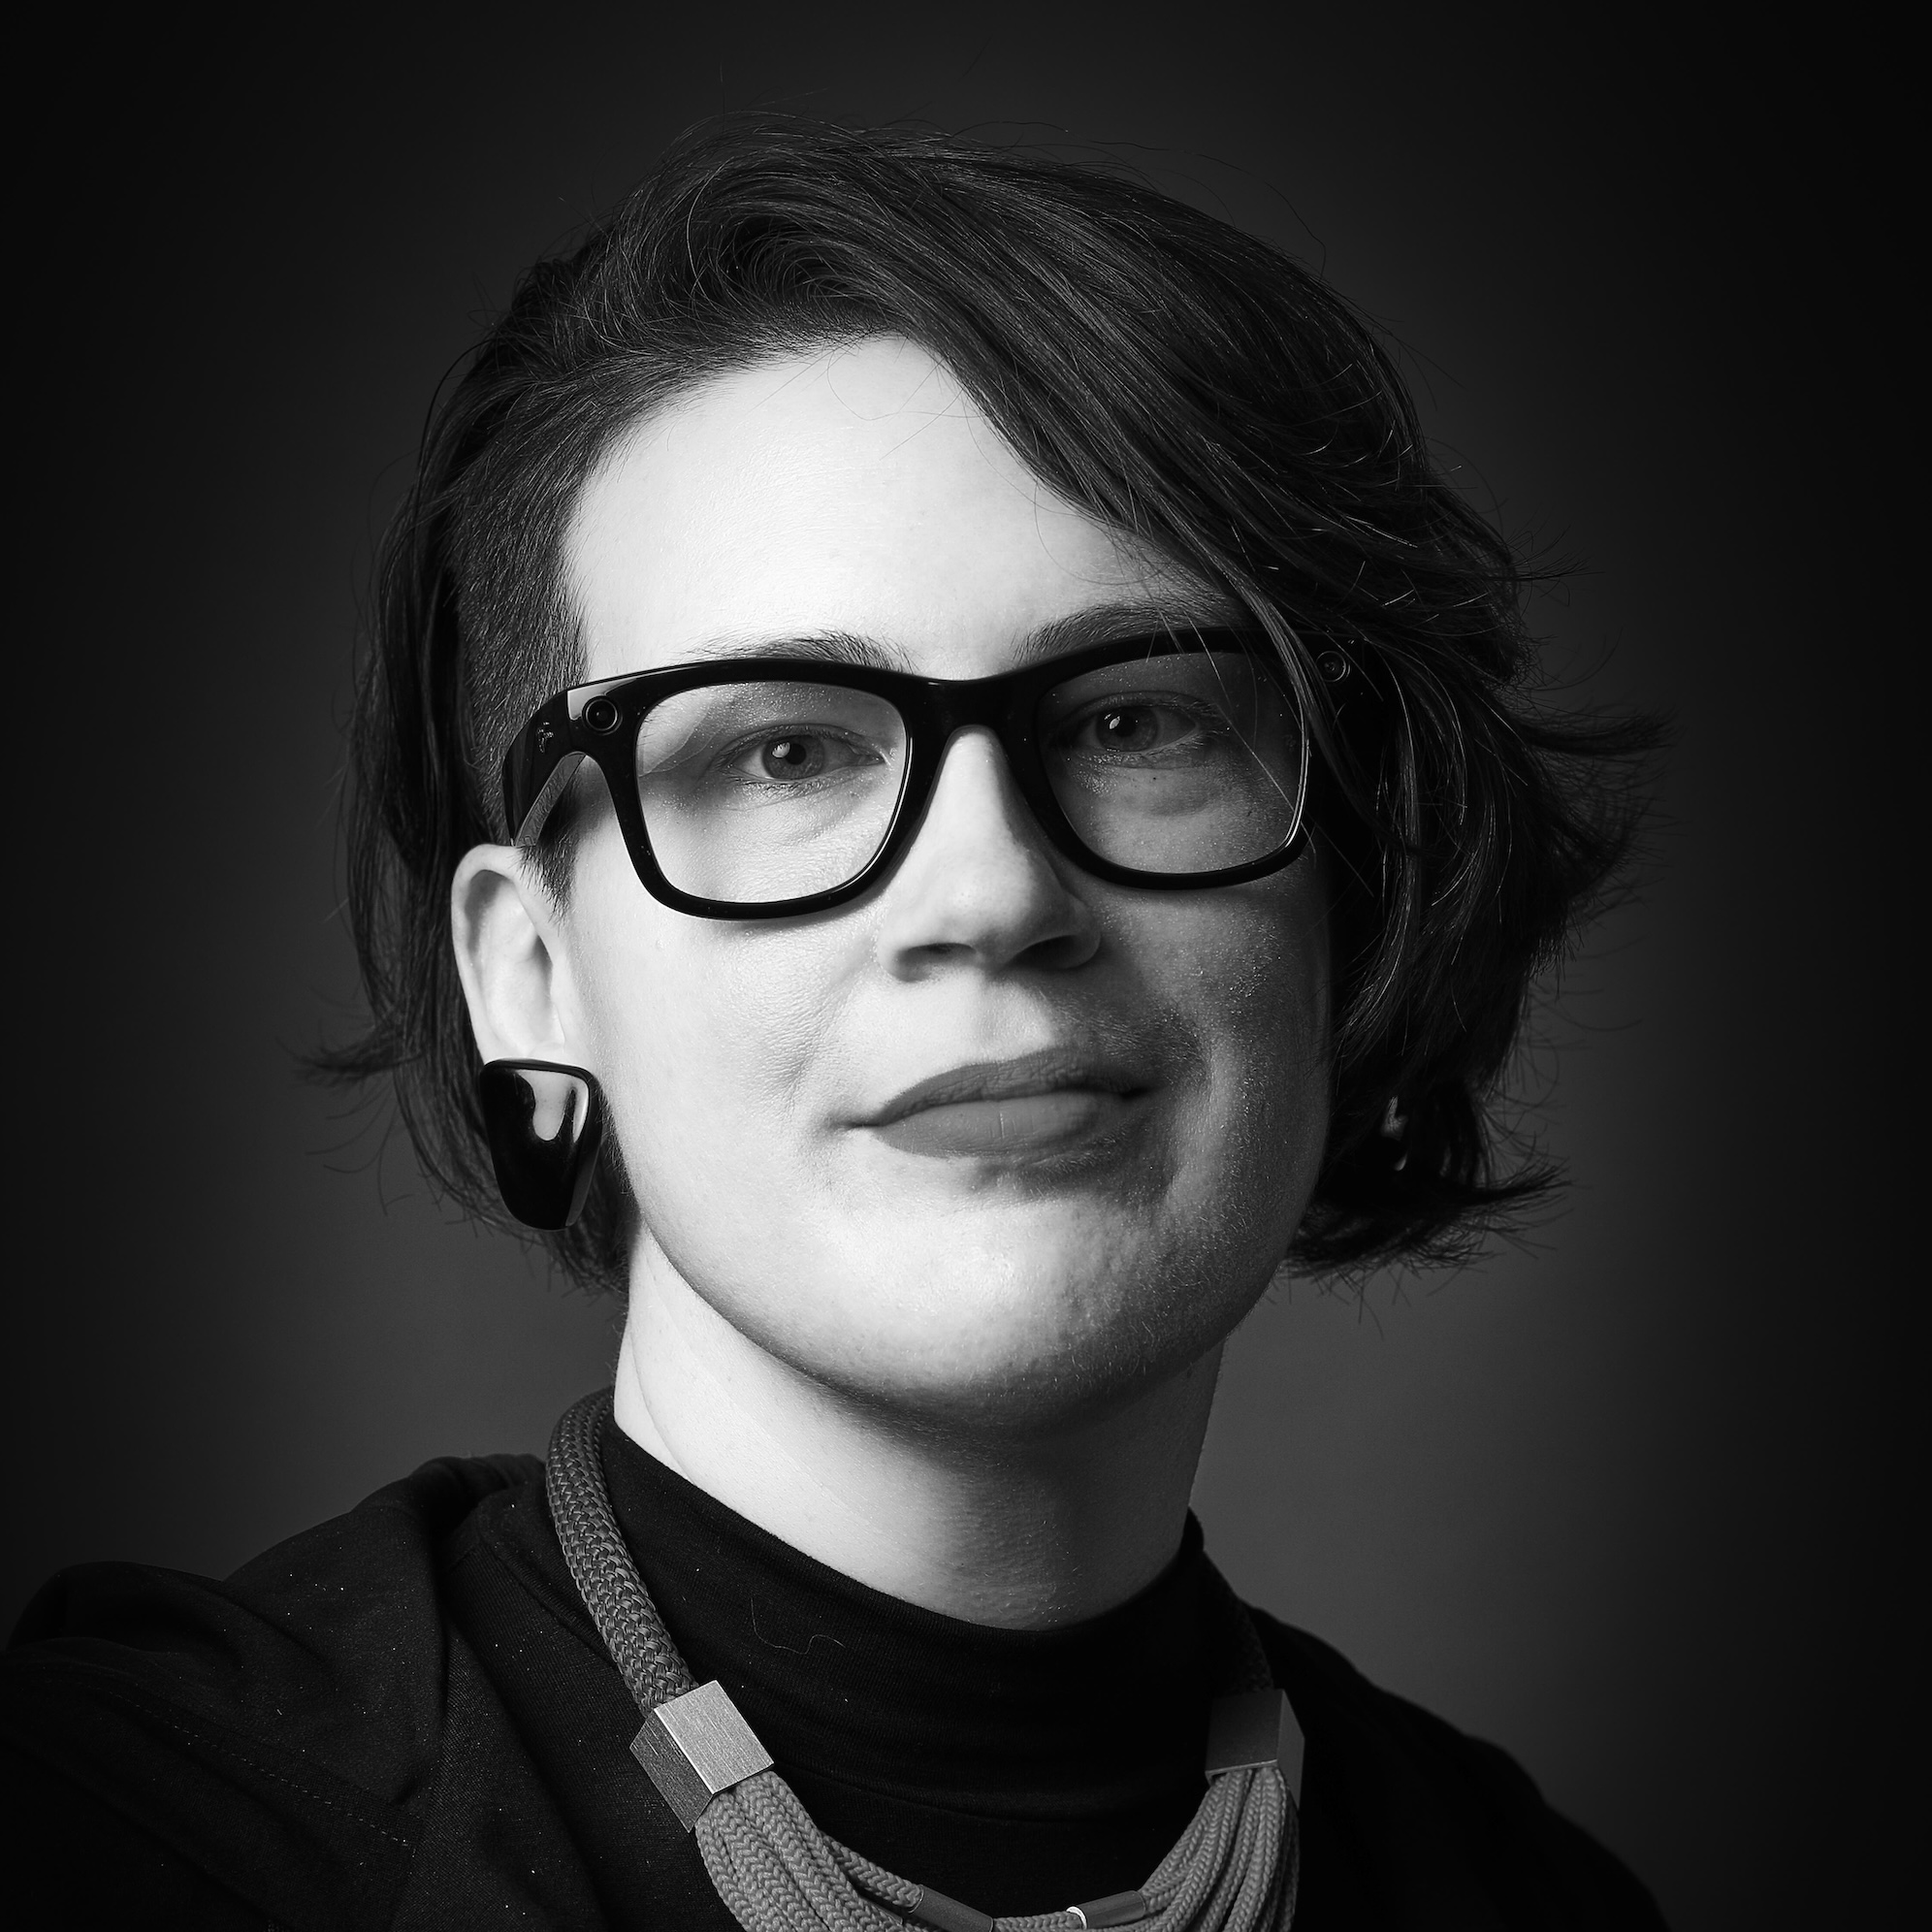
pixel 1234 1869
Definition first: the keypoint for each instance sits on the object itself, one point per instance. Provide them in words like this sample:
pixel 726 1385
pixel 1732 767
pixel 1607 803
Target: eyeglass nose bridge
pixel 940 709
pixel 962 709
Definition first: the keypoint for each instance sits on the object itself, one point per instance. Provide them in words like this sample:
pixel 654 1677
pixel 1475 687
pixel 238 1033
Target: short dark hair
pixel 1182 380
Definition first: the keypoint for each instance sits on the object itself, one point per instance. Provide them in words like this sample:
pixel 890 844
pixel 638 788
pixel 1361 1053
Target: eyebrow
pixel 1058 637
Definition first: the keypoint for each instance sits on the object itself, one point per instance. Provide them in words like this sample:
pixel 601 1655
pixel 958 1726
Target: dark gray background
pixel 1628 1499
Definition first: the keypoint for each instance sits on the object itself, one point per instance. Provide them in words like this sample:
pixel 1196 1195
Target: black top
pixel 404 1718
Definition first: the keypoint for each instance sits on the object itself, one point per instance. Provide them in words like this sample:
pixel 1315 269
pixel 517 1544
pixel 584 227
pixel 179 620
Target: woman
pixel 942 786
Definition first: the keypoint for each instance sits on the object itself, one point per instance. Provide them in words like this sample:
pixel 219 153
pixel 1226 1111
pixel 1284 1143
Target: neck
pixel 1022 1531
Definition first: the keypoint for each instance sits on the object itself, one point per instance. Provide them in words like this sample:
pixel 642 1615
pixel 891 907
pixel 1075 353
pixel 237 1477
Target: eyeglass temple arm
pixel 537 767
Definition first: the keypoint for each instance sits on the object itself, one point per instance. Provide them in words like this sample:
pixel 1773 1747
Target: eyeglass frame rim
pixel 534 767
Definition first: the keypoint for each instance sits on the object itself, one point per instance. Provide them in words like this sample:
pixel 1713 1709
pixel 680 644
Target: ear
pixel 510 958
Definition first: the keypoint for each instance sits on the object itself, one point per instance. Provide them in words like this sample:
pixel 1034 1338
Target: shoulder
pixel 280 1727
pixel 1407 1821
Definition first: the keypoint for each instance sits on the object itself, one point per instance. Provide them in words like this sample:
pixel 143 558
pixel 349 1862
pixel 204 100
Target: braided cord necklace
pixel 1234 1869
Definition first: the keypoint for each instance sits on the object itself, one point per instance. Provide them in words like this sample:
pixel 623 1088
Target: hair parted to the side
pixel 1182 380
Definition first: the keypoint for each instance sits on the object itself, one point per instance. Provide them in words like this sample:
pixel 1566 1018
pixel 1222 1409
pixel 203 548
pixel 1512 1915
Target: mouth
pixel 1040 1104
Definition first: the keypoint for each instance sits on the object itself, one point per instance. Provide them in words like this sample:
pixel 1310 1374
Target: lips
pixel 1035 1104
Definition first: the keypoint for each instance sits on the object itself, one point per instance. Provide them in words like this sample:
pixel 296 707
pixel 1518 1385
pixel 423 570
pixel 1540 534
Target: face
pixel 997 1141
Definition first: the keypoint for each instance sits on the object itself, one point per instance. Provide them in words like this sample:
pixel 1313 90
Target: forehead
pixel 855 490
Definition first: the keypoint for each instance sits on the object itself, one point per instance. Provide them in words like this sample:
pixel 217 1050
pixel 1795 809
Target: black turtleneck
pixel 1018 1770
pixel 404 1720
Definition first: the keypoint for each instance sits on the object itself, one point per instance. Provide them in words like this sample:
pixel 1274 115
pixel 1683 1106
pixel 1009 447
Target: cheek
pixel 702 1032
pixel 1251 972
pixel 1277 1005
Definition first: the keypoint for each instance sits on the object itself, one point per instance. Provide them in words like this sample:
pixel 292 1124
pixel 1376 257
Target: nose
pixel 979 884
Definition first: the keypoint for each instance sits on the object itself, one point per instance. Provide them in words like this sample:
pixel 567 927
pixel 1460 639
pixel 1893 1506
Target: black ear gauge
pixel 1333 666
pixel 545 1124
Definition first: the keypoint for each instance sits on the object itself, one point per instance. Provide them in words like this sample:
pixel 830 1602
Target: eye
pixel 1130 728
pixel 793 758
pixel 1133 727
pixel 797 757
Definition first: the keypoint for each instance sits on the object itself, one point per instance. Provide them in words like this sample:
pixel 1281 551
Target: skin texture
pixel 975 1380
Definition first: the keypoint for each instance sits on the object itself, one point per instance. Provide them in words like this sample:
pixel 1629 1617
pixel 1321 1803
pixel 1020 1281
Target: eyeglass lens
pixel 762 792
pixel 1176 764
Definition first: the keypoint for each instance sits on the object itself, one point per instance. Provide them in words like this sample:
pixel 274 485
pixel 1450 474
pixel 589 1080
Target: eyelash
pixel 728 759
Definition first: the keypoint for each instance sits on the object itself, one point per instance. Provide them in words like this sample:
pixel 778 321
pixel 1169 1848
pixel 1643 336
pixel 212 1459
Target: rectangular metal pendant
pixel 1126 1908
pixel 696 1746
pixel 1255 1729
pixel 940 1913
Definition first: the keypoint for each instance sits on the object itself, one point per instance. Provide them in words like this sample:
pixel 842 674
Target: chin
pixel 1014 1336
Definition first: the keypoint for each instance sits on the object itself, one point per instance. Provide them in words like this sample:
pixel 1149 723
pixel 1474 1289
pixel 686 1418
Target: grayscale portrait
pixel 992 1207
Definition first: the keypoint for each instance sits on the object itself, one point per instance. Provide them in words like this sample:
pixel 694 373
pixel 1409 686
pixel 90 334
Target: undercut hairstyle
pixel 1179 380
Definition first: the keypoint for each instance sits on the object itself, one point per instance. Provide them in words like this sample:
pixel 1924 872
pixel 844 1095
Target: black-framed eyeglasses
pixel 762 788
